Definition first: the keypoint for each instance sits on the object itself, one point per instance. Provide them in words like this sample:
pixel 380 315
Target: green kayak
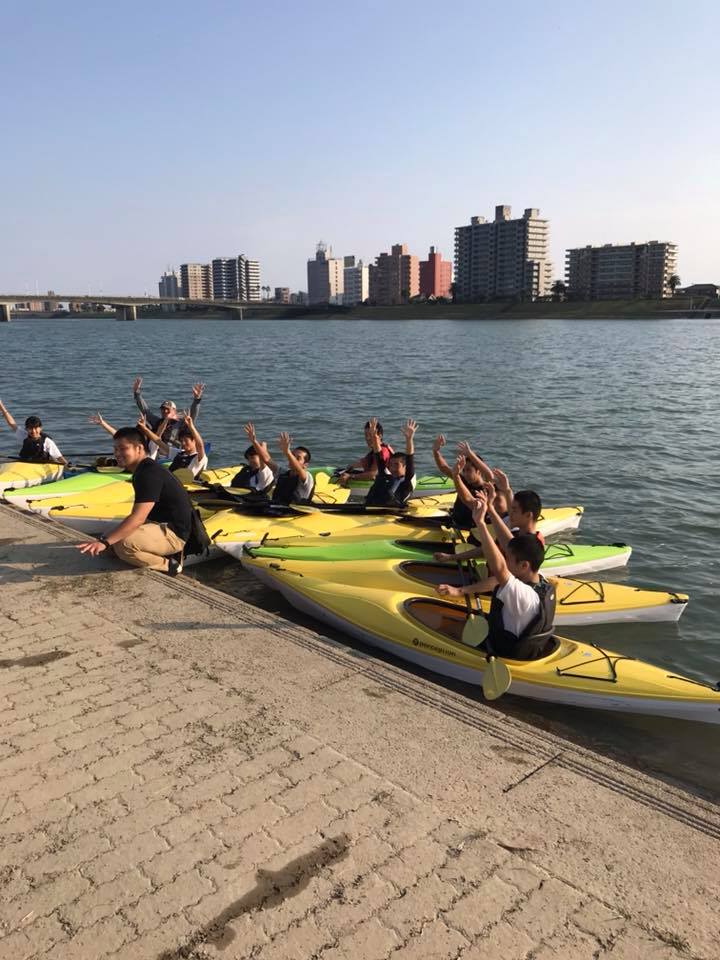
pixel 422 484
pixel 79 483
pixel 561 559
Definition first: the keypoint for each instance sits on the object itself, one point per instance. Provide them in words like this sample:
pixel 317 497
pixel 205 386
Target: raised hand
pixel 501 479
pixel 490 493
pixel 438 442
pixel 285 441
pixel 408 429
pixel 464 448
pixel 249 429
pixel 459 465
pixel 96 418
pixel 479 509
pixel 137 383
pixel 197 390
pixel 186 418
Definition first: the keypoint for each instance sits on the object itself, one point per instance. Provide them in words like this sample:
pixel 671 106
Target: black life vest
pixel 244 478
pixel 462 514
pixel 533 640
pixel 182 461
pixel 382 494
pixel 285 491
pixel 33 451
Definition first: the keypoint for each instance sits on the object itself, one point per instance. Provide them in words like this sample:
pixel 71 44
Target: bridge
pixel 126 307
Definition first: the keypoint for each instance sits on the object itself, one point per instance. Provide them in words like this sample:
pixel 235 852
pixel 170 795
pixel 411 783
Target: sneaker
pixel 174 567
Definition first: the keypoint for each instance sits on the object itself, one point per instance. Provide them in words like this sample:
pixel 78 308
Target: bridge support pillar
pixel 126 311
pixel 4 313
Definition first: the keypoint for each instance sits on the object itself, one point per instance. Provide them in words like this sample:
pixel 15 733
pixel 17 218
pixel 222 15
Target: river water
pixel 620 416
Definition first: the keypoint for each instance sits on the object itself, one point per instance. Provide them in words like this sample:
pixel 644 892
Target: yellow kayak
pixel 428 632
pixel 578 601
pixel 95 511
pixel 17 474
pixel 232 531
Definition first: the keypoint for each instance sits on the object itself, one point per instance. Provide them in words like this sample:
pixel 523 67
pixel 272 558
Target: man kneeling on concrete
pixel 158 526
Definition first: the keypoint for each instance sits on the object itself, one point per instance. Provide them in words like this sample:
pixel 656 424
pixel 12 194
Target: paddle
pixel 496 677
pixel 475 630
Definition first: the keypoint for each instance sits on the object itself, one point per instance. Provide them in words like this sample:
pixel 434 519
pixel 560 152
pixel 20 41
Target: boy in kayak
pixel 366 467
pixel 522 609
pixel 468 480
pixel 522 518
pixel 295 484
pixel 256 475
pixel 395 481
pixel 189 454
pixel 168 412
pixel 34 446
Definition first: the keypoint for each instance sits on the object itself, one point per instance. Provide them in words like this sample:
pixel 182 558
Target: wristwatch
pixel 104 541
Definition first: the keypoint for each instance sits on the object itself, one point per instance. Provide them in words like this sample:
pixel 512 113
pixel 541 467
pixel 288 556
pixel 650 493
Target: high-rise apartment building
pixel 196 281
pixel 236 278
pixel 249 279
pixel 325 277
pixel 282 295
pixel 620 272
pixel 225 278
pixel 503 259
pixel 395 276
pixel 435 275
pixel 169 285
pixel 356 280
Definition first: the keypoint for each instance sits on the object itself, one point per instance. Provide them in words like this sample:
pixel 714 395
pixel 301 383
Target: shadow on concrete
pixel 271 889
pixel 51 559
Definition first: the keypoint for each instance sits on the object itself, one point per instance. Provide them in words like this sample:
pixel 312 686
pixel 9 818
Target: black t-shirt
pixel 154 484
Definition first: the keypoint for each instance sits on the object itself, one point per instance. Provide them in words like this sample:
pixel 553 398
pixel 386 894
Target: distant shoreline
pixel 677 308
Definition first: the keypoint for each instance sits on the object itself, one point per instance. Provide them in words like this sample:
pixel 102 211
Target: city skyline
pixel 606 131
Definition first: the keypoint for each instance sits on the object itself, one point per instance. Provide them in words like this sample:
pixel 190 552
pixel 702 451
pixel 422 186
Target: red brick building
pixel 435 275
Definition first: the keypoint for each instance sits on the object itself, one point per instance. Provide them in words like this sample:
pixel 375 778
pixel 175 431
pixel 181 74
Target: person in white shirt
pixel 295 484
pixel 256 475
pixel 522 609
pixel 33 445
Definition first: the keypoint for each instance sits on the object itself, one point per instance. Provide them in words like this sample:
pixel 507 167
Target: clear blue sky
pixel 137 135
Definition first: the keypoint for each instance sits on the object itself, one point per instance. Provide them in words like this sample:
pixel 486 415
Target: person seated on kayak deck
pixel 256 476
pixel 156 530
pixel 295 484
pixel 525 510
pixel 168 412
pixel 189 455
pixel 34 446
pixel 522 609
pixel 366 467
pixel 395 482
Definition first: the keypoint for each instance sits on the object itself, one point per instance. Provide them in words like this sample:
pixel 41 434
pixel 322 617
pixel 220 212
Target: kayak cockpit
pixel 449 621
